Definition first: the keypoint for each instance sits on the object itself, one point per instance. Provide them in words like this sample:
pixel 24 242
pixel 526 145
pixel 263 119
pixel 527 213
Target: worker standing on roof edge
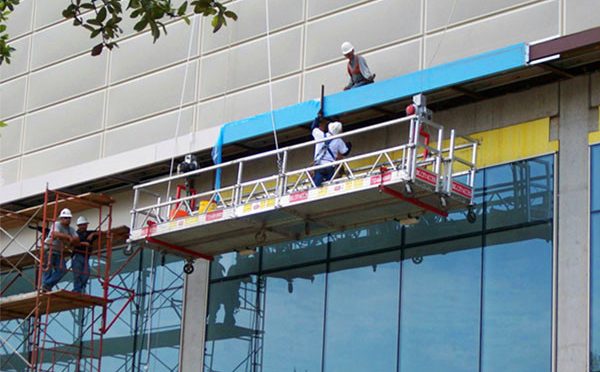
pixel 357 68
pixel 81 254
pixel 327 151
pixel 61 236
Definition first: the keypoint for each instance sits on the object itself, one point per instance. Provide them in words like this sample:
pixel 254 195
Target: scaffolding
pixel 272 197
pixel 33 326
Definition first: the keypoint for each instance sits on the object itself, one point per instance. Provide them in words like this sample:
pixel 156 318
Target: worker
pixel 61 236
pixel 81 254
pixel 327 151
pixel 357 68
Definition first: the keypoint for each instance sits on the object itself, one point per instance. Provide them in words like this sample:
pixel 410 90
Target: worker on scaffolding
pixel 357 68
pixel 327 151
pixel 61 236
pixel 81 254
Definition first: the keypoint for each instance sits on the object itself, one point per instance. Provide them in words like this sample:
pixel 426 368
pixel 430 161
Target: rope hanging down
pixel 268 27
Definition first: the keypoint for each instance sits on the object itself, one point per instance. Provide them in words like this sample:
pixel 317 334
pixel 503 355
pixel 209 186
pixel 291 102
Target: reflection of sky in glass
pixel 517 301
pixel 595 262
pixel 595 181
pixel 293 326
pixel 439 329
pixel 362 316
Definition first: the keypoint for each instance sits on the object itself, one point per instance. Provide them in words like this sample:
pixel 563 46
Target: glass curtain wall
pixel 595 260
pixel 442 294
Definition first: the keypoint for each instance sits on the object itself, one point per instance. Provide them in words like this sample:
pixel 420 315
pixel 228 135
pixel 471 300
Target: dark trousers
pixel 81 271
pixel 322 175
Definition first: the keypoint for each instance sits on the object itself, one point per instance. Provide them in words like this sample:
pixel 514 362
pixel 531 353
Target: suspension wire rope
pixel 270 83
pixel 181 99
pixel 437 49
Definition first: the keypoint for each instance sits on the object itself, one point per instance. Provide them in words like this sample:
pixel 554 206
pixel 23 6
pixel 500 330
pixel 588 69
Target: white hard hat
pixel 81 220
pixel 347 47
pixel 65 213
pixel 335 127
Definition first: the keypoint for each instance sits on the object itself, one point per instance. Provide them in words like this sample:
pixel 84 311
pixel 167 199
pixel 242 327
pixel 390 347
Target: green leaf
pixel 95 33
pixel 231 15
pixel 101 15
pixel 182 9
pixel 141 25
pixel 94 22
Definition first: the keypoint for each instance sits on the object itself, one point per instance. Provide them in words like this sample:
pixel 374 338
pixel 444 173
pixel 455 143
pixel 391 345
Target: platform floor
pixel 22 305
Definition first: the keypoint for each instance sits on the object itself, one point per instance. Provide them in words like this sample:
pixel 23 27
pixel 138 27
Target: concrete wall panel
pixel 151 94
pixel 9 171
pixel 19 60
pixel 581 15
pixel 64 121
pixel 441 13
pixel 381 22
pixel 139 55
pixel 19 21
pixel 247 64
pixel 386 63
pixel 527 24
pixel 12 97
pixel 68 79
pixel 61 156
pixel 247 103
pixel 58 42
pixel 252 22
pixel 147 132
pixel 318 7
pixel 48 12
pixel 10 138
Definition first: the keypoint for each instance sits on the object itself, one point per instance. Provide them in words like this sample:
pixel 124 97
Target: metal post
pixel 238 187
pixel 448 185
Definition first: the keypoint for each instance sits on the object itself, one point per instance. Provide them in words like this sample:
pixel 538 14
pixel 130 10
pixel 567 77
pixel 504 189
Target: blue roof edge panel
pixel 423 81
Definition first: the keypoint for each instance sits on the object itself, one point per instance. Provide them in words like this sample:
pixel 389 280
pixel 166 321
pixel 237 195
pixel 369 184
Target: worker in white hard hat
pixel 81 254
pixel 61 237
pixel 327 151
pixel 357 68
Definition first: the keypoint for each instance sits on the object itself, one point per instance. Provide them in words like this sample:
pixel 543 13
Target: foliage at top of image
pixel 102 18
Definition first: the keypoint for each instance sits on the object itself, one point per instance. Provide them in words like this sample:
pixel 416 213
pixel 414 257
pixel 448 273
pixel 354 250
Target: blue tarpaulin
pixel 423 81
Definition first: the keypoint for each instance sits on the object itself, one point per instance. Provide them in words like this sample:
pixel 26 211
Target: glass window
pixel 234 264
pixel 232 317
pixel 366 239
pixel 595 181
pixel 595 293
pixel 293 323
pixel 362 314
pixel 440 307
pixel 519 192
pixel 517 300
pixel 295 252
pixel 432 226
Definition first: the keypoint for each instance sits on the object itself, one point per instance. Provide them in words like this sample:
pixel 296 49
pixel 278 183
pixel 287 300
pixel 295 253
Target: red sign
pixel 426 176
pixel 298 196
pixel 375 180
pixel 214 215
pixel 461 189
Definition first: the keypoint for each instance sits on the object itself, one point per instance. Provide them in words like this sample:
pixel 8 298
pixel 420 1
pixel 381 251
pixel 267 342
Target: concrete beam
pixel 193 324
pixel 572 327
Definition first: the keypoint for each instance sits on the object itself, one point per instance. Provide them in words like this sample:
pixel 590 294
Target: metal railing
pixel 446 162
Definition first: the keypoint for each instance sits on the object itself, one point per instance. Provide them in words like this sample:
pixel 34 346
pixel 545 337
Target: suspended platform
pixel 23 305
pixel 401 181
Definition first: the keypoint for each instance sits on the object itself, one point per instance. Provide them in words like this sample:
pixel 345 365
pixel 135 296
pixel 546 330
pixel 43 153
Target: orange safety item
pixel 177 213
pixel 356 69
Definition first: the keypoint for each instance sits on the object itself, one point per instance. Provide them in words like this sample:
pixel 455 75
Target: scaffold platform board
pixel 335 207
pixel 26 259
pixel 23 305
pixel 10 219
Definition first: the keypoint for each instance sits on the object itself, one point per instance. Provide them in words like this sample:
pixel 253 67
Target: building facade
pixel 517 290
